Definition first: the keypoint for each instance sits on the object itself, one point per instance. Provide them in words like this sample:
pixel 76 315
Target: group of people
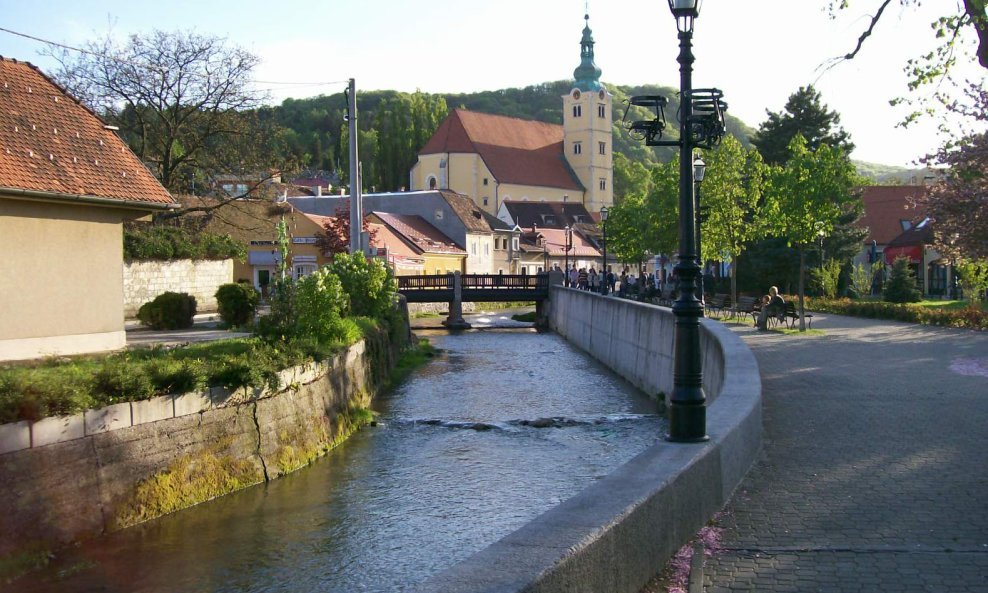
pixel 585 279
pixel 624 284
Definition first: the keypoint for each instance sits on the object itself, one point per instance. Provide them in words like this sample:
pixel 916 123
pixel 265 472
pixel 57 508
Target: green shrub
pixel 169 310
pixel 161 242
pixel 120 380
pixel 901 286
pixel 971 317
pixel 237 303
pixel 369 283
pixel 35 393
pixel 319 305
pixel 171 375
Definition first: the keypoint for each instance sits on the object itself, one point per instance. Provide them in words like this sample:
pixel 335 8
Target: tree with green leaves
pixel 806 197
pixel 731 199
pixel 901 286
pixel 642 224
pixel 804 115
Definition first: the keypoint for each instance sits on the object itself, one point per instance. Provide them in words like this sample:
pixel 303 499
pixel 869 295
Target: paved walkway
pixel 874 472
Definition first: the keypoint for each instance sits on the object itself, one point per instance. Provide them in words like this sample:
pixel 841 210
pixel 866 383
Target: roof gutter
pixel 32 194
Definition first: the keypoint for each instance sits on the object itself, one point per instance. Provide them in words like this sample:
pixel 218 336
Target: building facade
pixel 493 158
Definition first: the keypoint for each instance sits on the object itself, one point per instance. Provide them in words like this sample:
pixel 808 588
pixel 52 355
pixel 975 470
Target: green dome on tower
pixel 587 74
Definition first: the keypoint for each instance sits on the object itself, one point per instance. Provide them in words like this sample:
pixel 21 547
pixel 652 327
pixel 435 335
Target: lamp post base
pixel 687 423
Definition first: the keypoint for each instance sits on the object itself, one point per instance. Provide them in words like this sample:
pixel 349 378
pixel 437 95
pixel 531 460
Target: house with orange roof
pixel 491 244
pixel 254 222
pixel 493 158
pixel 898 228
pixel 67 184
pixel 407 236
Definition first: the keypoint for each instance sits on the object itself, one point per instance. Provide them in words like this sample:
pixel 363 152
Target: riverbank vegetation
pixel 310 320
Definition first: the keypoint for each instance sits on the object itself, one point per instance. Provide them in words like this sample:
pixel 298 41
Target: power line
pixel 152 68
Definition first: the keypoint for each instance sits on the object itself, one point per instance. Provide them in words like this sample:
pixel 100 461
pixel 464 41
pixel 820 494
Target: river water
pixel 504 424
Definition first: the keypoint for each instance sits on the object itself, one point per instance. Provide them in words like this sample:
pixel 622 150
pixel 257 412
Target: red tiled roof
pixel 50 142
pixel 885 207
pixel 516 151
pixel 420 233
pixel 548 214
pixel 556 242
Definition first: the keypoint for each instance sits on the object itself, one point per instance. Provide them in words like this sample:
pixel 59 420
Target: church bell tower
pixel 587 134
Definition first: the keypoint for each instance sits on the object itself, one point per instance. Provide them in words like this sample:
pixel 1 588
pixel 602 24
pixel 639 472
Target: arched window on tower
pixel 577 111
pixel 577 148
pixel 601 111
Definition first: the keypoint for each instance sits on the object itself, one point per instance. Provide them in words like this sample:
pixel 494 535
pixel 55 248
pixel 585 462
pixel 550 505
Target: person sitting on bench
pixel 773 306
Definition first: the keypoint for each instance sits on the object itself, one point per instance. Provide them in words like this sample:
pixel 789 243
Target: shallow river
pixel 503 425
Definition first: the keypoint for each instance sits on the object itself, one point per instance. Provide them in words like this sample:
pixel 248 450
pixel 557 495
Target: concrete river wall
pixel 175 451
pixel 614 535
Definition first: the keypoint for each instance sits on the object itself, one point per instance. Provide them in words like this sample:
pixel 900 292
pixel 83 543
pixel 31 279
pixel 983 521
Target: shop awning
pixel 913 252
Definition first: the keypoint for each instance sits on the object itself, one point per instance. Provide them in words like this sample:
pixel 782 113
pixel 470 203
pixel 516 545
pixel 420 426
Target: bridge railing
pixel 434 282
pixel 502 281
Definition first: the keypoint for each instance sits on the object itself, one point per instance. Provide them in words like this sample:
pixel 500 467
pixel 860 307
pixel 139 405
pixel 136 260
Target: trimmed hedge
pixel 168 310
pixel 971 317
pixel 237 303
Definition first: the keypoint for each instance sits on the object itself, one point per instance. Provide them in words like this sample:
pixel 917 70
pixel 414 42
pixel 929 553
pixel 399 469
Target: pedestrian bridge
pixel 457 288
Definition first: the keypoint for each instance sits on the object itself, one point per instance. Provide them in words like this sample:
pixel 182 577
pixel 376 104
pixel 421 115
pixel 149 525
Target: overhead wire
pixel 161 70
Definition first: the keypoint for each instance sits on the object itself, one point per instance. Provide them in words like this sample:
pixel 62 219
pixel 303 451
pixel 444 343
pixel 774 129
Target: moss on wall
pixel 187 481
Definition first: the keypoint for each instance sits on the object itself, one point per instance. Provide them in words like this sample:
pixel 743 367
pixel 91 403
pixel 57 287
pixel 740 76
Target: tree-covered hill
pixel 394 126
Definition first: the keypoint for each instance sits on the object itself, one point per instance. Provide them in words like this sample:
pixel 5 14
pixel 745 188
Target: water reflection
pixel 502 426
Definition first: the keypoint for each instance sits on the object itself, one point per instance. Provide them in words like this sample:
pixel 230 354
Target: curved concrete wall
pixel 616 534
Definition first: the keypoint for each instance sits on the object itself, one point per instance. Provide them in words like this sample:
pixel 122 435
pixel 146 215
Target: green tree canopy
pixel 731 201
pixel 804 115
pixel 807 197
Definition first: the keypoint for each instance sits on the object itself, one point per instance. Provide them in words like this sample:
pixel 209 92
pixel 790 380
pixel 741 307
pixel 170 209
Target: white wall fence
pixel 144 280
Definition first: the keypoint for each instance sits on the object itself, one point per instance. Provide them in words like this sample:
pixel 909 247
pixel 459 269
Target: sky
pixel 759 53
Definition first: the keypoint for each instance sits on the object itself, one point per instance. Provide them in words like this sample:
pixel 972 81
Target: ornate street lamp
pixel 701 125
pixel 699 170
pixel 603 225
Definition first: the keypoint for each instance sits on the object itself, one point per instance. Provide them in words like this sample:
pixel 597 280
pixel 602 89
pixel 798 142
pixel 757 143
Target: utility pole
pixel 356 203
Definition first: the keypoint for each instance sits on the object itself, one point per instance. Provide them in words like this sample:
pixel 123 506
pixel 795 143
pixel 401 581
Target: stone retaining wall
pixel 616 534
pixel 106 469
pixel 144 280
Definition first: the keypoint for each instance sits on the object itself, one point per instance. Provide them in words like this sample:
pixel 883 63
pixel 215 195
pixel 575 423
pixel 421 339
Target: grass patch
pixel 796 332
pixel 29 558
pixel 410 359
pixel 528 317
pixel 69 385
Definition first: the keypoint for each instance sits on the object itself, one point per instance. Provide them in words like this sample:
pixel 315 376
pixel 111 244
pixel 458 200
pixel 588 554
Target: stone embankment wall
pixel 111 468
pixel 616 534
pixel 144 280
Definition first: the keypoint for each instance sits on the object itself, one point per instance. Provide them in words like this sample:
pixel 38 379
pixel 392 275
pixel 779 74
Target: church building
pixel 493 158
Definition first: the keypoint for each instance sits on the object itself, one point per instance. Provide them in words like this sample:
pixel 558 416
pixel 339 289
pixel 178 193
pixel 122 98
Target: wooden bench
pixel 666 296
pixel 791 316
pixel 747 306
pixel 719 303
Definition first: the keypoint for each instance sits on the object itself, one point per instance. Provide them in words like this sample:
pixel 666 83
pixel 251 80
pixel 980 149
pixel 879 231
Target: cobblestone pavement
pixel 874 471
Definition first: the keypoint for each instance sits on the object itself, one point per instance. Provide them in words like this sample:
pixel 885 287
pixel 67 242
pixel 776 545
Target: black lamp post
pixel 701 125
pixel 545 256
pixel 699 170
pixel 688 403
pixel 567 243
pixel 603 242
